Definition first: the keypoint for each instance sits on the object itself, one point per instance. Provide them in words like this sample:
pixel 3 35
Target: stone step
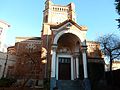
pixel 69 85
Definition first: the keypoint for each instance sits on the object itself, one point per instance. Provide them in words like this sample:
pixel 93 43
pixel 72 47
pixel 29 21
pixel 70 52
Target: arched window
pixel 46 19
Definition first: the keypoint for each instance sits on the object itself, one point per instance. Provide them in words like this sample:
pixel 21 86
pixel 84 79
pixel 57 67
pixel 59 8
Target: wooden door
pixel 64 72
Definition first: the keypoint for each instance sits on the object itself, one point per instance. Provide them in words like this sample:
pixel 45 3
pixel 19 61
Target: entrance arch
pixel 67 50
pixel 67 56
pixel 78 33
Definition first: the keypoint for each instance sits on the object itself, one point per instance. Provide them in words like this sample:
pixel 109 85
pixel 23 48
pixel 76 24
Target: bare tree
pixel 117 4
pixel 110 46
pixel 28 66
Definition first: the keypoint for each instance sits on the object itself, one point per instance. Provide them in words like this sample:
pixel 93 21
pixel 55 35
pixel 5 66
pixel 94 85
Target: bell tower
pixel 47 11
pixel 56 14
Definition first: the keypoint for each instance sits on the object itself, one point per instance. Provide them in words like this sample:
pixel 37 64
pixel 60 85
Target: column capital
pixel 84 46
pixel 76 54
pixel 54 47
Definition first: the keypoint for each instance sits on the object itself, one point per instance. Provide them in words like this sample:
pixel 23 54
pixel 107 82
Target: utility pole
pixel 5 65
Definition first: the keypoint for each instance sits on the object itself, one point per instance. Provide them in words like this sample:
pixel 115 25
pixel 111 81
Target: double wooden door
pixel 64 72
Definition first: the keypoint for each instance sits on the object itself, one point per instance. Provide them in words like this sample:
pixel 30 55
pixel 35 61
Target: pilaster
pixel 86 81
pixel 53 68
pixel 84 54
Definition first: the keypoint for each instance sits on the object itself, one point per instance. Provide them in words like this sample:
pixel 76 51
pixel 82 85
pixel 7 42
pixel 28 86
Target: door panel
pixel 64 72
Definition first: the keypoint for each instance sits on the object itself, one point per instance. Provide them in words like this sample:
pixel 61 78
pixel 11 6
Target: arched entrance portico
pixel 68 47
pixel 65 51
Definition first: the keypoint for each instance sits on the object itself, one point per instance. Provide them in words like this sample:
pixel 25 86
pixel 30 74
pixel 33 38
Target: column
pixel 84 49
pixel 84 54
pixel 77 67
pixel 53 68
pixel 72 68
pixel 74 64
pixel 53 61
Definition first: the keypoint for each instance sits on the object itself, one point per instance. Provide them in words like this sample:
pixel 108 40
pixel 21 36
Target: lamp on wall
pixel 68 26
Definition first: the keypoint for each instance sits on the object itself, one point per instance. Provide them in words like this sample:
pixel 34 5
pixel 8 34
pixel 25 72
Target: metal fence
pixel 19 88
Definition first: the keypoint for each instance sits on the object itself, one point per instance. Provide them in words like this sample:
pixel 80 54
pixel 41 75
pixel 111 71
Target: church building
pixel 3 27
pixel 64 50
pixel 65 44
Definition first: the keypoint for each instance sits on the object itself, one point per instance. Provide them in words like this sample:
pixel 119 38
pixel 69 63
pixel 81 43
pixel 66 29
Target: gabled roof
pixel 63 23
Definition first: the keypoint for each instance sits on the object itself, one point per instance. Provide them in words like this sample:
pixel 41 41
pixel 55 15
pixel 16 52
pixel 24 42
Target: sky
pixel 25 17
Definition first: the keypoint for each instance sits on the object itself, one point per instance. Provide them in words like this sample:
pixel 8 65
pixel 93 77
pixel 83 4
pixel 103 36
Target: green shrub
pixel 6 82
